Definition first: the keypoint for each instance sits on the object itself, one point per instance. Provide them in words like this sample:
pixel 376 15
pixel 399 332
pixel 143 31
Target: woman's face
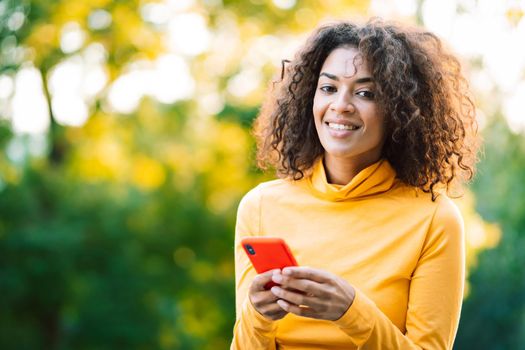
pixel 347 117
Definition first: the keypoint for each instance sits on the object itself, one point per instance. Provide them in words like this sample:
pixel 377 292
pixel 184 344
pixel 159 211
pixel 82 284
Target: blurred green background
pixel 125 148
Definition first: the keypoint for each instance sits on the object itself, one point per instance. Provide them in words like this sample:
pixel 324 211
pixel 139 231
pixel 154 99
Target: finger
pixel 306 286
pixel 296 298
pixel 304 272
pixel 262 279
pixel 261 299
pixel 274 310
pixel 297 310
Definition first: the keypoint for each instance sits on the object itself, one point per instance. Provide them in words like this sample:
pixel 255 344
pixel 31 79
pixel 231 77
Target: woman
pixel 368 131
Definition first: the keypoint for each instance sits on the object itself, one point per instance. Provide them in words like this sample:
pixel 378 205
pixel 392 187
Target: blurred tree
pixel 493 313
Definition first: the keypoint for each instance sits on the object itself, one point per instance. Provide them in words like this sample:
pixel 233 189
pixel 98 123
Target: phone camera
pixel 250 249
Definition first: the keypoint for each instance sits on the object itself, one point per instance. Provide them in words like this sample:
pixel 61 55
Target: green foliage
pixel 12 18
pixel 88 266
pixel 241 115
pixel 493 313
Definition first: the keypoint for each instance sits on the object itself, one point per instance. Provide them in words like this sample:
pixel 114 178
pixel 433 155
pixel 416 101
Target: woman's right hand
pixel 264 301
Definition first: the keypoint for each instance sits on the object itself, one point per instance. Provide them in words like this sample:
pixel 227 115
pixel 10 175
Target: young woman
pixel 368 130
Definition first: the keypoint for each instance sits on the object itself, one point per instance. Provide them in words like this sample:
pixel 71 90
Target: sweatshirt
pixel 402 252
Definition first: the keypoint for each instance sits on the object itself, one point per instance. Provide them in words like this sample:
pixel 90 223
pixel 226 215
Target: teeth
pixel 336 126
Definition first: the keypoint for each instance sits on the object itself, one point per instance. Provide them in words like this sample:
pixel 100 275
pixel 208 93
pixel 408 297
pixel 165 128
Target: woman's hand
pixel 264 301
pixel 312 293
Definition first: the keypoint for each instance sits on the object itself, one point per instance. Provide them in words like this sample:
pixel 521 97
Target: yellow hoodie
pixel 402 252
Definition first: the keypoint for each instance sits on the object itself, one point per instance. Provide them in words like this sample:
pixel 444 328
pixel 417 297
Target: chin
pixel 339 152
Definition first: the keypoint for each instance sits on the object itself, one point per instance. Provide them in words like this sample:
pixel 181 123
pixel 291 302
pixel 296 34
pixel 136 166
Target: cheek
pixel 379 127
pixel 319 108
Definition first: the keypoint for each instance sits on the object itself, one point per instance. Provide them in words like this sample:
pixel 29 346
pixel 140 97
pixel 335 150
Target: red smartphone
pixel 268 253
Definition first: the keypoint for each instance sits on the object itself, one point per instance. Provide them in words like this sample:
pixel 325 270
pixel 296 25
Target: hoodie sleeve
pixel 435 295
pixel 252 330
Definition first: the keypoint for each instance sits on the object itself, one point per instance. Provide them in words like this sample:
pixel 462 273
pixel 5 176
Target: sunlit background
pixel 126 147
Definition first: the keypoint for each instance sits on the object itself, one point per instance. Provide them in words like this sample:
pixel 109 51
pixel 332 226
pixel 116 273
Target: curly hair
pixel 429 112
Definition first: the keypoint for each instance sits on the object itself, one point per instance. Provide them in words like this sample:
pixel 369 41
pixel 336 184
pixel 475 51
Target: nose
pixel 342 104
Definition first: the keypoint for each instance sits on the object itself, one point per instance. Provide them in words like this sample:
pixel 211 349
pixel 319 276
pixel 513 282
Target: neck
pixel 340 171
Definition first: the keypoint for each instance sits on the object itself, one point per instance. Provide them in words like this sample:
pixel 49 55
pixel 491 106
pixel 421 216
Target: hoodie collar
pixel 376 178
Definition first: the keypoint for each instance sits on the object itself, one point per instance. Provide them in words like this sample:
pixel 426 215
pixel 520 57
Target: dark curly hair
pixel 429 113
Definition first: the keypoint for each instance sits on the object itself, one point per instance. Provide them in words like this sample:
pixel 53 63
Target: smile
pixel 337 126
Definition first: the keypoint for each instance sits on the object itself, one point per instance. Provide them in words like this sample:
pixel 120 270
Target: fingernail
pixel 277 278
pixel 287 272
pixel 283 304
pixel 275 290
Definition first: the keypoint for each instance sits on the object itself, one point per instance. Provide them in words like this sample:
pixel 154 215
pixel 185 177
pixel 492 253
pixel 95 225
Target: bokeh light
pixel 29 117
pixel 72 37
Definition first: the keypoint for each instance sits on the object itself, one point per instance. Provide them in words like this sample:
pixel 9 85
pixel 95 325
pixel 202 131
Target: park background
pixel 125 148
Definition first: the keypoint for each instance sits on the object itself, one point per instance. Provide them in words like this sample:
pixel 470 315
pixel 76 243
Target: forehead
pixel 345 61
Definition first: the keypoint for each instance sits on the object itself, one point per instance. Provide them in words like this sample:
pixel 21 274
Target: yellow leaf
pixel 147 173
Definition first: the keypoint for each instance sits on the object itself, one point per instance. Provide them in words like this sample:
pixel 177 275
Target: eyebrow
pixel 358 81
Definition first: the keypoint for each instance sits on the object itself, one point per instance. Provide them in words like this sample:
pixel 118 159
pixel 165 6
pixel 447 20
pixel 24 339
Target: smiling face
pixel 347 117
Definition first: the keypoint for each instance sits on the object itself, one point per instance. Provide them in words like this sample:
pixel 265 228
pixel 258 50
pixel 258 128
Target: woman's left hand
pixel 313 293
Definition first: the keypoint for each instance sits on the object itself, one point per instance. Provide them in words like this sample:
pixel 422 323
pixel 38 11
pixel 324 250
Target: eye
pixel 366 94
pixel 328 89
